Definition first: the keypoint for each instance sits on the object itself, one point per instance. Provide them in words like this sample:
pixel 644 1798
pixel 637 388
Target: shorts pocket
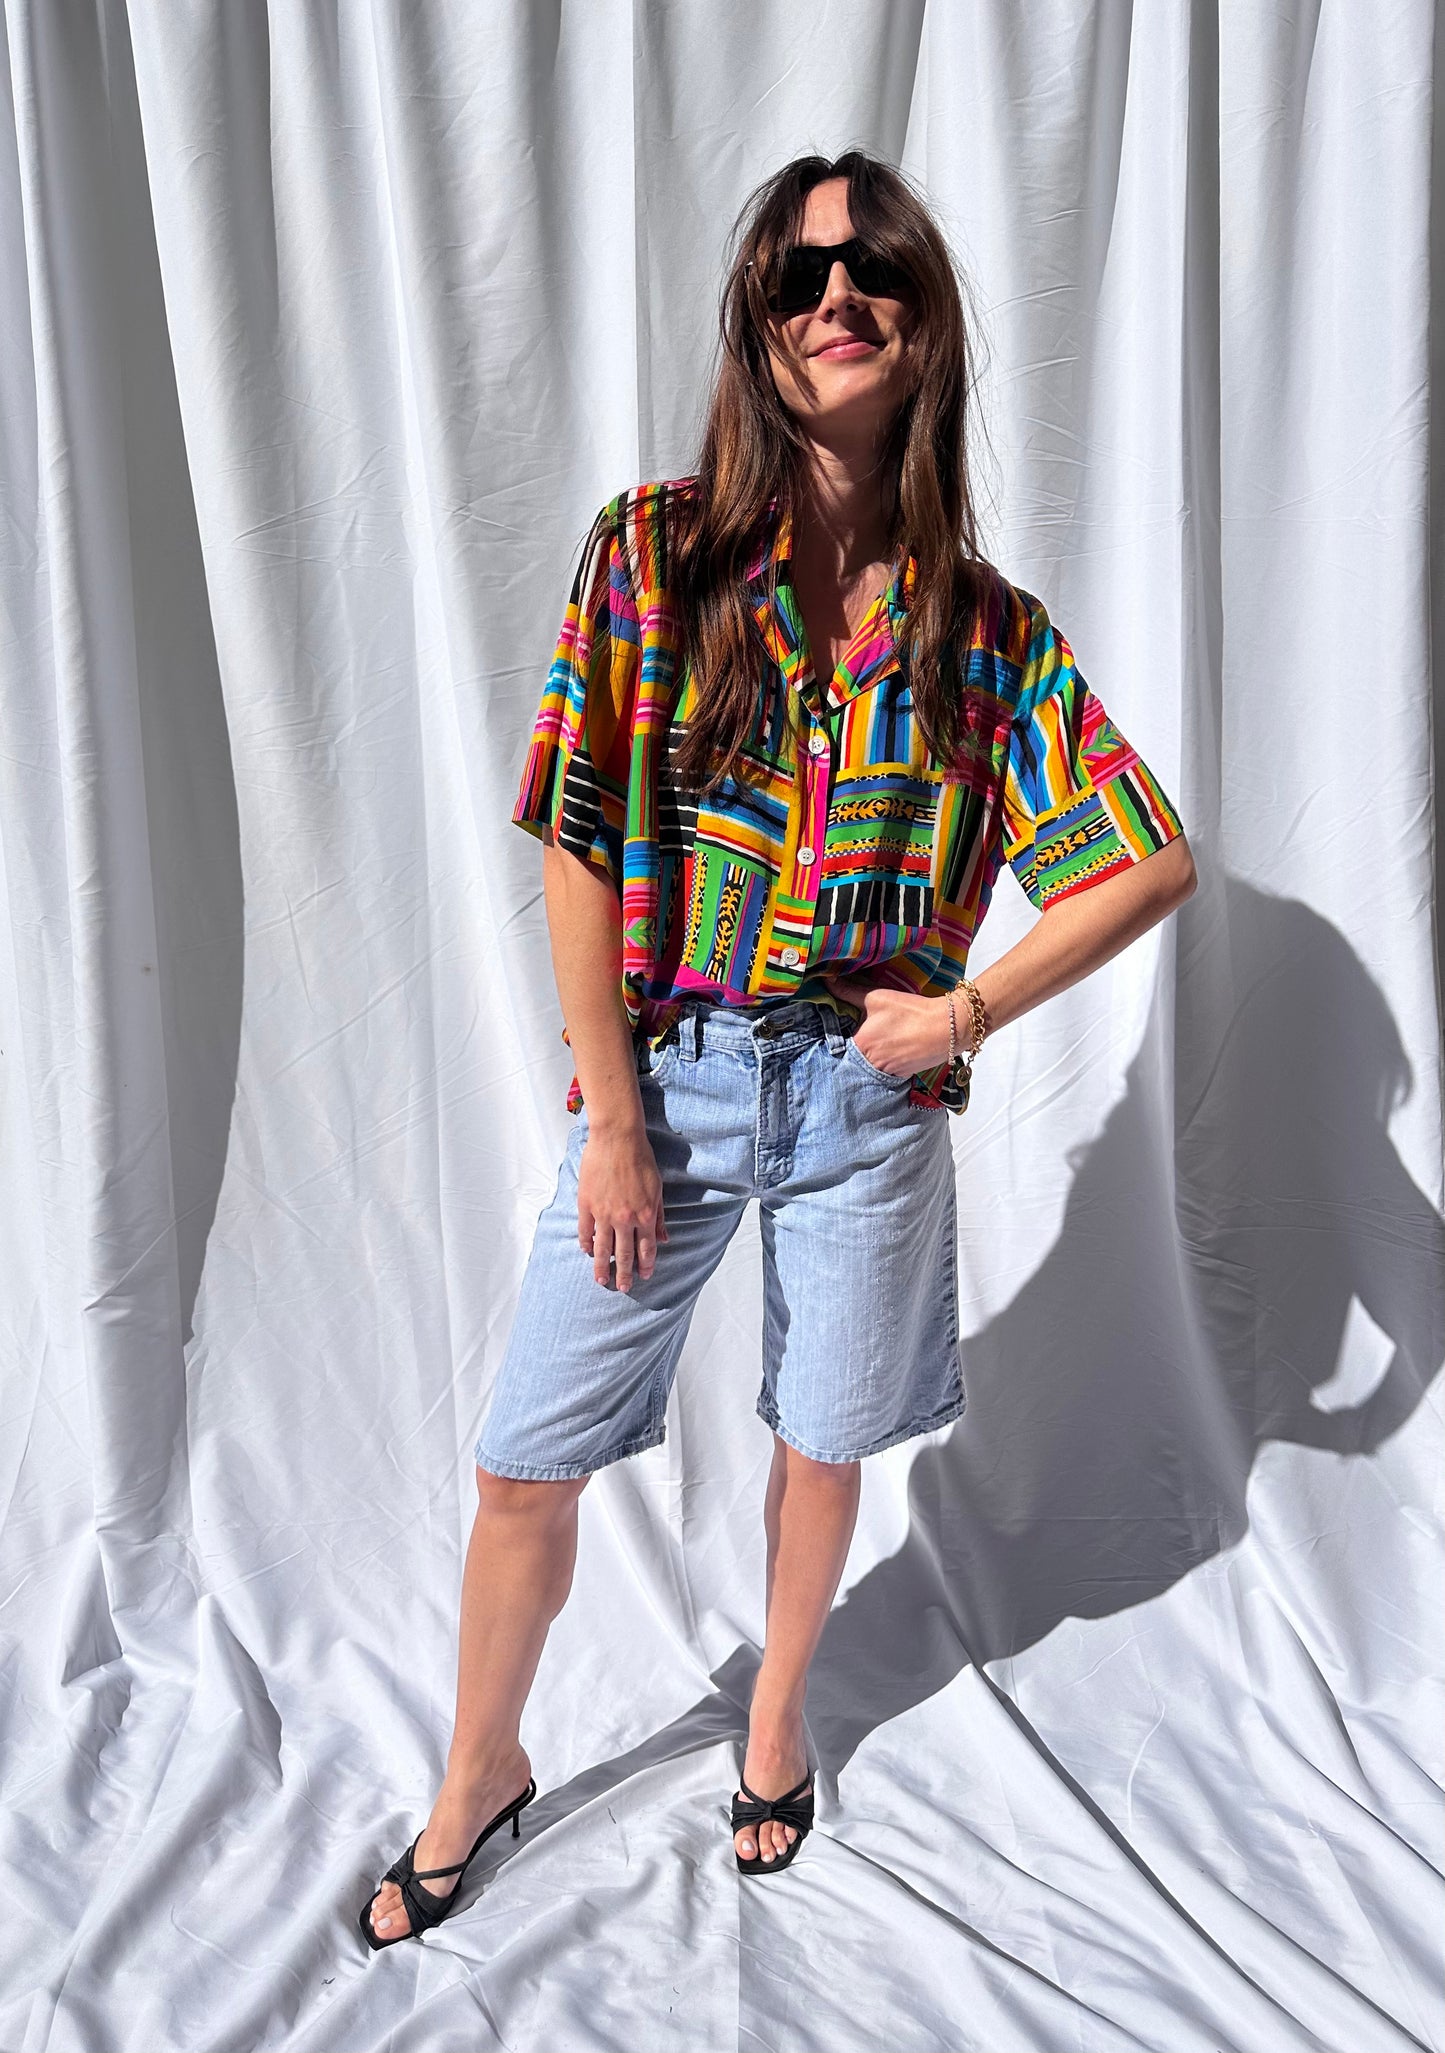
pixel 659 1060
pixel 882 1076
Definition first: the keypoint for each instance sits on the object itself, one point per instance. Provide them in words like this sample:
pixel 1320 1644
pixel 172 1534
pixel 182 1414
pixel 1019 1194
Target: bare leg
pixel 518 1572
pixel 809 1514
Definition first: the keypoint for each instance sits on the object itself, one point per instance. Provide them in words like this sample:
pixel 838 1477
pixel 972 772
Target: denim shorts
pixel 858 1222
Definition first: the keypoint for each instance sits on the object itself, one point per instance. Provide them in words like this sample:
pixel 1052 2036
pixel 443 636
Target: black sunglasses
pixel 803 278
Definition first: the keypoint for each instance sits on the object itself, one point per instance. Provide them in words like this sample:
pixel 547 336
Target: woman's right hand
pixel 619 1204
pixel 619 1190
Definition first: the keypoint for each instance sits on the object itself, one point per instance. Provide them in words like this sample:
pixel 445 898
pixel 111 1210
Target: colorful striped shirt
pixel 843 846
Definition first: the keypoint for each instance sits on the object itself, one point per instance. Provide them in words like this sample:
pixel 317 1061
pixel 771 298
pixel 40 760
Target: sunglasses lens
pixel 876 276
pixel 803 282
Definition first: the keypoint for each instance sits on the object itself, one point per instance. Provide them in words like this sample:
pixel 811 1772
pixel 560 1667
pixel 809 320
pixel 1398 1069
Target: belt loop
pixel 833 1029
pixel 691 1030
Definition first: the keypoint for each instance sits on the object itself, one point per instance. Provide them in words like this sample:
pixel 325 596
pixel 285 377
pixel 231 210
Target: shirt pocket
pixel 875 895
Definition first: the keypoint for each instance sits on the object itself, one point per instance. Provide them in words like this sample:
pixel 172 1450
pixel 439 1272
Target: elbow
pixel 1179 878
pixel 587 873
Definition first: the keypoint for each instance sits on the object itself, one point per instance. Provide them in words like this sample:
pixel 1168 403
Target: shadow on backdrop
pixel 1096 1467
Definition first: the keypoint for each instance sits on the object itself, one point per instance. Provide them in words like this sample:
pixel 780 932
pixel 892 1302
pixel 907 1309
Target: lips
pixel 849 346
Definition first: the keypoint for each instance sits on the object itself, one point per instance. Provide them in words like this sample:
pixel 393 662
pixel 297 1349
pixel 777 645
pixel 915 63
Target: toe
pixel 767 1841
pixel 388 1913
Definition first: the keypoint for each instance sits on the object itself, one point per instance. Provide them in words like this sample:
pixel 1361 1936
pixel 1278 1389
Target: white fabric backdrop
pixel 326 327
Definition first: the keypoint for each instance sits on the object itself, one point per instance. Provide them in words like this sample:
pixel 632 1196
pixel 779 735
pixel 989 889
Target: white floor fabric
pixel 325 330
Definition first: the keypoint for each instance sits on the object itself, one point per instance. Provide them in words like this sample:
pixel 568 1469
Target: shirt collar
pixel 870 656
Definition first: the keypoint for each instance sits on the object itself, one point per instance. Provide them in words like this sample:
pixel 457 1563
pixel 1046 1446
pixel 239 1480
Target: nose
pixel 840 289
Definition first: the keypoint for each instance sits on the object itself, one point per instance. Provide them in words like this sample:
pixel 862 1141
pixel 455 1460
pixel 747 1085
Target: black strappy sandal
pixel 423 1907
pixel 794 1809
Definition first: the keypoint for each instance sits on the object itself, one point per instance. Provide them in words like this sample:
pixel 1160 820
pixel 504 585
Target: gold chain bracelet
pixel 960 1063
pixel 979 1021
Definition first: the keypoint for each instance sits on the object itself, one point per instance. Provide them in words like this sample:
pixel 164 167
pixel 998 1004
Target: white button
pixel 818 745
pixel 790 958
pixel 805 856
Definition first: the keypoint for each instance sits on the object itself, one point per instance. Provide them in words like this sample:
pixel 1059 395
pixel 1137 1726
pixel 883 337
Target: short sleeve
pixel 575 778
pixel 1079 804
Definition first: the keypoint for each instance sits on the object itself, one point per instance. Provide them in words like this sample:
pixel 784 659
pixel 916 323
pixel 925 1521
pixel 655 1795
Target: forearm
pixel 584 926
pixel 1081 932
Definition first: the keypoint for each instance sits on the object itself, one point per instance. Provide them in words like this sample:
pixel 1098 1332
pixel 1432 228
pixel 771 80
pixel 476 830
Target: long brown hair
pixel 754 451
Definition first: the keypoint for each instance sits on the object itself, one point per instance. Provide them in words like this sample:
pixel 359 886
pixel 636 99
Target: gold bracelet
pixel 958 1080
pixel 977 1007
pixel 978 1022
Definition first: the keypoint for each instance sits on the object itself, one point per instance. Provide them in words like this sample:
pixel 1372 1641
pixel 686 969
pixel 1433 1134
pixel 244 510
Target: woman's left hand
pixel 900 1031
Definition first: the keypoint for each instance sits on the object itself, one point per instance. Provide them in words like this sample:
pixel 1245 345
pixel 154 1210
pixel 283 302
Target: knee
pixel 525 1500
pixel 840 1476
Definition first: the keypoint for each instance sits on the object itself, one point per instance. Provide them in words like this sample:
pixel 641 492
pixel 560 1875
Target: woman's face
pixel 840 368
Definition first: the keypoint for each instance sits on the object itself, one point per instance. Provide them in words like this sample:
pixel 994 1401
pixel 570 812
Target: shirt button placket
pixel 814 765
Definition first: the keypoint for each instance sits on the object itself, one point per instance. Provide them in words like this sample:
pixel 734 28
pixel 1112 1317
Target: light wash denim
pixel 858 1220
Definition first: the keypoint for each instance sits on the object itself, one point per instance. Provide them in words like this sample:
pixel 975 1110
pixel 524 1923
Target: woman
pixel 794 725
